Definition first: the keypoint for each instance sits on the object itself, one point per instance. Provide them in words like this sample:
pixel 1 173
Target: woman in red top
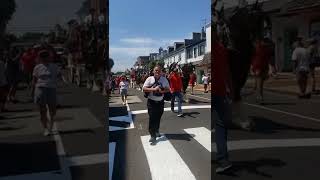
pixel 192 81
pixel 260 66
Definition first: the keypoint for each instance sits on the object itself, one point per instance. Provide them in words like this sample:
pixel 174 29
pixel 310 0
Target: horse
pixel 238 33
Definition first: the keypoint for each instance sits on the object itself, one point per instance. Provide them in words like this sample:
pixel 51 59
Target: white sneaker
pixel 180 115
pixel 46 132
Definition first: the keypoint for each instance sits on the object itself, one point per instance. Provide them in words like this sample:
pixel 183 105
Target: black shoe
pixel 153 141
pixel 222 167
pixel 172 109
pixel 158 134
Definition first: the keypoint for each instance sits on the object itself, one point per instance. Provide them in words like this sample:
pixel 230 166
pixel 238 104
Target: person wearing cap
pixel 176 89
pixel 45 77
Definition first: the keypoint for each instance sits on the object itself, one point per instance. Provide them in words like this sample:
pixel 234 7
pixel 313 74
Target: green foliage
pixel 152 64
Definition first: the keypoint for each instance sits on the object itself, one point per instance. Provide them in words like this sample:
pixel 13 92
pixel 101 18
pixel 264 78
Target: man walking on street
pixel 205 80
pixel 176 89
pixel 155 86
pixel 221 104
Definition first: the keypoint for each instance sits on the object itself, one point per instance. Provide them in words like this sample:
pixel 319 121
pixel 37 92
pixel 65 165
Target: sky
pixel 141 27
pixel 41 14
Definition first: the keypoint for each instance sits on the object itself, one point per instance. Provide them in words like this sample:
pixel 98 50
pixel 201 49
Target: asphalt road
pixel 182 153
pixel 285 144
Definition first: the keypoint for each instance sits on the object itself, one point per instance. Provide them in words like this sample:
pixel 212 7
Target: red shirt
pixel 261 57
pixel 28 61
pixel 175 83
pixel 220 69
pixel 193 78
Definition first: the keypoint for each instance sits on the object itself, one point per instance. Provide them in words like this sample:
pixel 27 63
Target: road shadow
pixel 253 167
pixel 195 101
pixel 10 128
pixel 268 126
pixel 20 117
pixel 180 137
pixel 118 111
pixel 277 103
pixel 69 106
pixel 18 110
pixel 190 114
pixel 65 132
pixel 32 157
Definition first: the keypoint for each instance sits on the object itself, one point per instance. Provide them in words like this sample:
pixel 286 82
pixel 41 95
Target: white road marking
pixel 88 159
pixel 164 161
pixel 112 150
pixel 202 135
pixel 116 128
pixel 284 112
pixel 176 108
pixel 62 154
pixel 270 143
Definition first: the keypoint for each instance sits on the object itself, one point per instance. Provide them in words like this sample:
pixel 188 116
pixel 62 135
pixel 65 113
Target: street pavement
pixel 77 151
pixel 285 144
pixel 183 152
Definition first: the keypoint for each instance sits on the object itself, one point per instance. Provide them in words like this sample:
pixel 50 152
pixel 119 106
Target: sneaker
pixel 124 104
pixel 180 115
pixel 172 110
pixel 46 132
pixel 153 141
pixel 223 167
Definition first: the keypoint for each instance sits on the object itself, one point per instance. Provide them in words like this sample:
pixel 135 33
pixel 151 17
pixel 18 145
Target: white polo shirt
pixel 150 81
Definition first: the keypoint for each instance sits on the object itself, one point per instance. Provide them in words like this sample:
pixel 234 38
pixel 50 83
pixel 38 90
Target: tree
pixel 7 9
pixel 84 9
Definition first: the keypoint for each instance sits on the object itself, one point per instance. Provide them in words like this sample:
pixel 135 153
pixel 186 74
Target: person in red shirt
pixel 28 63
pixel 176 89
pixel 260 66
pixel 192 81
pixel 221 103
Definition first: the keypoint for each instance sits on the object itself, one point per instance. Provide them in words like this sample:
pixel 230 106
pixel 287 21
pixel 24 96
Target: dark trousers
pixel 221 117
pixel 155 111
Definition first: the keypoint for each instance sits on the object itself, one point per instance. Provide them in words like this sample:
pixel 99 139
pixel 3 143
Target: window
pixel 201 50
pixel 195 52
pixel 189 54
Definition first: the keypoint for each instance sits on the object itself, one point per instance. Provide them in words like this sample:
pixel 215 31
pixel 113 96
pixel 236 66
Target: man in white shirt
pixel 301 61
pixel 205 80
pixel 155 87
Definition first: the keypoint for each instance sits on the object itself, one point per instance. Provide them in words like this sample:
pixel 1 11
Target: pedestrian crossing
pixel 170 158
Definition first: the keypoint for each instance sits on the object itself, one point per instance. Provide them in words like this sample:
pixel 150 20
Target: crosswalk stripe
pixel 164 161
pixel 202 135
pixel 169 109
pixel 112 149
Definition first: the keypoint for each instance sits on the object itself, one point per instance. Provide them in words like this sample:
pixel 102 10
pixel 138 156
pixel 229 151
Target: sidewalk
pixel 78 150
pixel 285 83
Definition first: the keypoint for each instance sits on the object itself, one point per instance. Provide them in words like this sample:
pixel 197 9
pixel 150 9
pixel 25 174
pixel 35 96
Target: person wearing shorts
pixel 302 66
pixel 124 86
pixel 205 80
pixel 192 81
pixel 45 76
